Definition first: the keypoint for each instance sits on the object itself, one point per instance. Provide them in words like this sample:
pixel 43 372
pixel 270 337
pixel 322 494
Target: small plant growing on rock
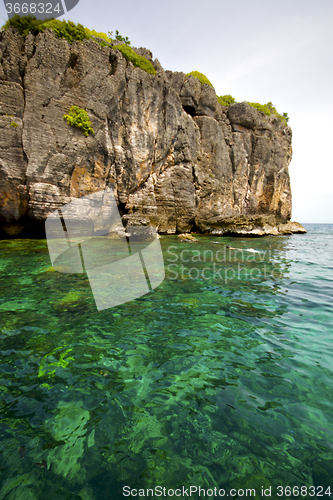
pixel 201 77
pixel 14 124
pixel 79 118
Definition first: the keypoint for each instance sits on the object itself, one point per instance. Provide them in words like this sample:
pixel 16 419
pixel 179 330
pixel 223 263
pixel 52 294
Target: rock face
pixel 172 154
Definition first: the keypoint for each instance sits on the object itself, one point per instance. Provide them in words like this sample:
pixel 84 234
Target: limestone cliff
pixel 171 152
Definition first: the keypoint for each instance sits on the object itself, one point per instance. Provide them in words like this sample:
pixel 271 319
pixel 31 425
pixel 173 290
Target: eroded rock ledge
pixel 172 154
pixel 255 225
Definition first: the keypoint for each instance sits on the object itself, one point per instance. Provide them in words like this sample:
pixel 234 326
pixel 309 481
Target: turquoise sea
pixel 219 379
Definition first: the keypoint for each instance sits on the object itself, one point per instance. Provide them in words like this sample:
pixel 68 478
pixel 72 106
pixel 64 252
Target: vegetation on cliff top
pixel 269 109
pixel 24 24
pixel 91 33
pixel 63 29
pixel 119 38
pixel 71 32
pixel 138 61
pixel 225 100
pixel 109 38
pixel 201 77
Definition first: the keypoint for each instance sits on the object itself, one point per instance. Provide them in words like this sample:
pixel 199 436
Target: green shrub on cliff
pixel 269 109
pixel 201 77
pixel 108 37
pixel 63 29
pixel 264 108
pixel 119 38
pixel 79 118
pixel 138 61
pixel 225 100
pixel 103 36
pixel 25 24
pixel 71 31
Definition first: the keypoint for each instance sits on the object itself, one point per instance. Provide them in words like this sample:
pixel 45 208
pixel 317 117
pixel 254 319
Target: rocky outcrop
pixel 252 225
pixel 187 237
pixel 172 154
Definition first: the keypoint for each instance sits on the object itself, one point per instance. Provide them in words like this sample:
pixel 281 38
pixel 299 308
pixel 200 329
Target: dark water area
pixel 221 378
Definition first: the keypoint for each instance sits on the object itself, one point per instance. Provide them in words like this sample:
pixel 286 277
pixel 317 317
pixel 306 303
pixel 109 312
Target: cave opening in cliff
pixel 195 229
pixel 122 209
pixel 73 60
pixel 113 64
pixel 190 110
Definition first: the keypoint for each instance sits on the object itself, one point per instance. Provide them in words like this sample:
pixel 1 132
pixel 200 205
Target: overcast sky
pixel 257 51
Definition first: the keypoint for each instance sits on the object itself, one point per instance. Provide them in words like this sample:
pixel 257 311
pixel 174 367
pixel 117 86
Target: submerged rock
pixel 71 300
pixel 187 237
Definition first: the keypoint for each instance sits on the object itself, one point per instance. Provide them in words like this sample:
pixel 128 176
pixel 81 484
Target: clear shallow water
pixel 222 377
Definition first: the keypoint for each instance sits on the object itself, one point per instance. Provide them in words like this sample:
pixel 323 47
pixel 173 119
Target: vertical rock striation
pixel 172 154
